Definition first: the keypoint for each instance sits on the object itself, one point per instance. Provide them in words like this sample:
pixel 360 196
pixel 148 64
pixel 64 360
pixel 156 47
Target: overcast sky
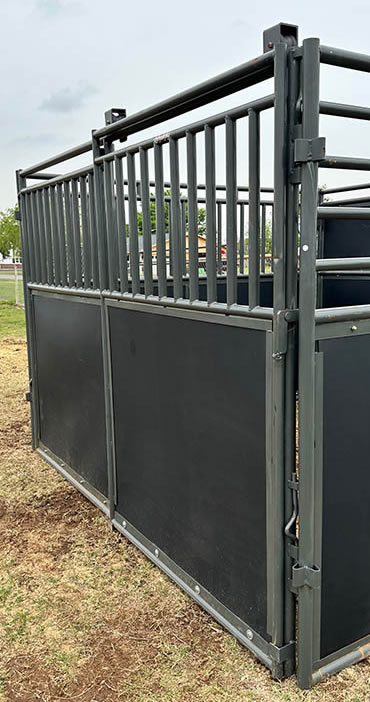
pixel 64 62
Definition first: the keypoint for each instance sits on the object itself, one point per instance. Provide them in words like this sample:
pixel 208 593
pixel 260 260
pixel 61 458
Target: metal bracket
pixel 114 114
pixel 280 654
pixel 280 336
pixel 309 150
pixel 293 551
pixel 278 34
pixel 303 575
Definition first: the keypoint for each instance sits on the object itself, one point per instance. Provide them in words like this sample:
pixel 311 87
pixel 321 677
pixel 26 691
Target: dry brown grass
pixel 84 616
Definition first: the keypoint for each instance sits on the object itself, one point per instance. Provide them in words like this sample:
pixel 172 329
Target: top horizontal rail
pixel 338 109
pixel 238 78
pixel 345 188
pixel 345 59
pixel 59 158
pixel 258 105
pixel 343 212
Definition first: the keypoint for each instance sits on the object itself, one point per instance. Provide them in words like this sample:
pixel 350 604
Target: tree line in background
pixel 9 233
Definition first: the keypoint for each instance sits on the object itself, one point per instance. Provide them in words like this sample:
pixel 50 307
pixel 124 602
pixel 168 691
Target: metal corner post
pixel 306 351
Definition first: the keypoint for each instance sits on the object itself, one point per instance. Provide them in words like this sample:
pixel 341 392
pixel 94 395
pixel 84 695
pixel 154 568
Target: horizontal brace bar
pixel 344 188
pixel 337 109
pixel 59 179
pixel 258 105
pixel 43 176
pixel 343 212
pixel 338 264
pixel 64 156
pixel 349 201
pixel 346 163
pixel 345 59
pixel 343 662
pixel 342 314
pixel 238 78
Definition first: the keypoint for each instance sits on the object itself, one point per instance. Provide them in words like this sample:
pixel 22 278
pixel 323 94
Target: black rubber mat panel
pixel 71 385
pixel 189 409
pixel 346 237
pixel 345 605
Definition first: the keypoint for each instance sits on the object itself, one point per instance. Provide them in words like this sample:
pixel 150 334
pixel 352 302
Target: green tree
pixel 9 233
pixel 167 193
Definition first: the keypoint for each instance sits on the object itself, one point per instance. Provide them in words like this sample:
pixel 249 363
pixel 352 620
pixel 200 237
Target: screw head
pixel 156 552
pixel 305 247
pixel 354 328
pixel 249 634
pixel 124 524
pixel 197 589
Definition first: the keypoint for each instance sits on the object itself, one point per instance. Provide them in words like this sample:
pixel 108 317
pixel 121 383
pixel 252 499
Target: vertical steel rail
pixel 69 234
pixel 110 225
pixel 191 157
pixel 231 218
pixel 306 356
pixel 132 218
pixel 76 232
pixel 93 233
pixel 276 471
pixel 48 239
pixel 263 239
pixel 210 182
pixel 219 238
pixel 160 220
pixel 29 233
pixel 121 227
pixel 36 237
pixel 100 215
pixel 254 209
pixel 61 234
pixel 147 233
pixel 176 219
pixel 85 233
pixel 54 229
pixel 183 234
pixel 241 238
pixel 41 230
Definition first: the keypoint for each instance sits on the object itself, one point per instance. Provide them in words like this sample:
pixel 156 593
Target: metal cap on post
pixel 280 33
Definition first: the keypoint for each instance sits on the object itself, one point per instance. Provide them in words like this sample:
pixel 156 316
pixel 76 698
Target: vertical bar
pixel 36 237
pixel 191 158
pixel 132 218
pixel 160 220
pixel 121 227
pixel 219 238
pixel 62 240
pixel 241 238
pixel 76 232
pixel 54 229
pixel 41 229
pixel 263 240
pixel 30 236
pixel 93 232
pixel 85 233
pixel 100 222
pixel 183 234
pixel 176 219
pixel 276 471
pixel 69 234
pixel 307 305
pixel 209 134
pixel 147 233
pixel 231 198
pixel 48 239
pixel 254 209
pixel 111 225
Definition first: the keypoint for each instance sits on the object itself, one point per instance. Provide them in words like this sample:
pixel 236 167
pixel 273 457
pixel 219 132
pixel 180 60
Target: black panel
pixel 71 387
pixel 343 290
pixel 346 237
pixel 189 406
pixel 345 609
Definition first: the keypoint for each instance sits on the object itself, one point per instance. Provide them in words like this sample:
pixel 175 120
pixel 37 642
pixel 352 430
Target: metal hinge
pixel 309 150
pixel 280 654
pixel 305 576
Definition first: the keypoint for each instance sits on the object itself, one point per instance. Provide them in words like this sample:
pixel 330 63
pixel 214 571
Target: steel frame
pixel 85 258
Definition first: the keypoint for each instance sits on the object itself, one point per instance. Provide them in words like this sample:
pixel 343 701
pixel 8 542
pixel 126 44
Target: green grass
pixel 12 321
pixel 8 292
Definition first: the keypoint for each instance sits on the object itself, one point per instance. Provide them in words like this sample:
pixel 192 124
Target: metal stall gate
pixel 164 365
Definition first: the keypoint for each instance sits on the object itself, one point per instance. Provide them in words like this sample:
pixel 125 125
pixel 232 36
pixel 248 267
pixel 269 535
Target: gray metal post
pixel 307 303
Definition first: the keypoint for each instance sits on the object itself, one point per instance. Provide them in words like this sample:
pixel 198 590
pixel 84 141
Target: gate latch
pixel 309 149
pixel 303 575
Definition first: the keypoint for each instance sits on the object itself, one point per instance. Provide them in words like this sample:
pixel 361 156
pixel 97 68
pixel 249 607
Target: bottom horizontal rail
pixel 343 662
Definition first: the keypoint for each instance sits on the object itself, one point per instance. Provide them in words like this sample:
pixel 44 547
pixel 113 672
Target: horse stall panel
pixel 70 384
pixel 190 436
pixel 345 595
pixel 346 237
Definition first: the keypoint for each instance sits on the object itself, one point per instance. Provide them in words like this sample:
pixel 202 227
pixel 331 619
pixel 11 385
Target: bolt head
pixel 304 247
pixel 354 328
pixel 249 634
pixel 197 589
pixel 124 524
pixel 156 552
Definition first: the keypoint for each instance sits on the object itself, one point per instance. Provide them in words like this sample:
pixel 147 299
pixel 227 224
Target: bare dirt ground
pixel 84 616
